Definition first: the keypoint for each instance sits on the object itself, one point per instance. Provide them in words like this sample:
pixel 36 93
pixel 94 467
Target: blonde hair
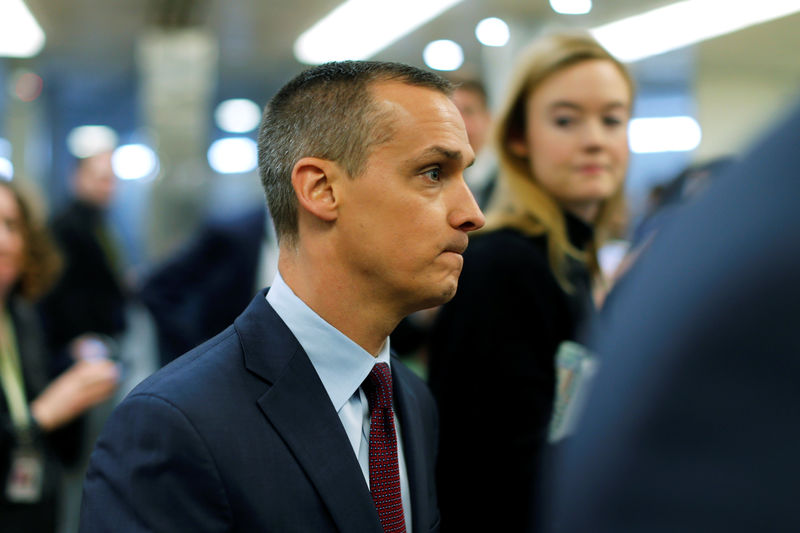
pixel 520 202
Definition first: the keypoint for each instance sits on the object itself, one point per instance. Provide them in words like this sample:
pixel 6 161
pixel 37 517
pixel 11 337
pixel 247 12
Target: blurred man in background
pixel 196 293
pixel 89 298
pixel 472 102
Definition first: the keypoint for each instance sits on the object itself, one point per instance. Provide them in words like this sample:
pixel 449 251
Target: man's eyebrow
pixel 455 155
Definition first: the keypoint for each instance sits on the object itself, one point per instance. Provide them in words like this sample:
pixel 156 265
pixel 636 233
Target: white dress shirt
pixel 342 366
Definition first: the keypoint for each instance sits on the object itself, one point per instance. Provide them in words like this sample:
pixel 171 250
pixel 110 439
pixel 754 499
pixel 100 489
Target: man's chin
pixel 444 295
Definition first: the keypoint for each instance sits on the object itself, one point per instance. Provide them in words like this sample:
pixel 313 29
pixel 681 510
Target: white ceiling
pixel 256 36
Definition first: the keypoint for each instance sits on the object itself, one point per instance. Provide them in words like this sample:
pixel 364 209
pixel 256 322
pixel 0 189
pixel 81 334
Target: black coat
pixel 89 296
pixel 39 517
pixel 492 372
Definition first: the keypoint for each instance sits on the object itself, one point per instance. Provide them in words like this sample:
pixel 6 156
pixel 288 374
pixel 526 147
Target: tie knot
pixel 378 387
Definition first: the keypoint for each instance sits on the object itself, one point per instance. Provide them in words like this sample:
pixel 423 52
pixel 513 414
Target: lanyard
pixel 11 377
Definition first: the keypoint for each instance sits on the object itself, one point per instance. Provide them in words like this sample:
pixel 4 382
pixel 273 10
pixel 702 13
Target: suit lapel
pixel 298 407
pixel 414 448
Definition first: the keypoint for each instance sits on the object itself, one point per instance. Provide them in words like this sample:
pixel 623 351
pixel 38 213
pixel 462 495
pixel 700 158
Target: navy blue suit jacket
pixel 240 435
pixel 692 425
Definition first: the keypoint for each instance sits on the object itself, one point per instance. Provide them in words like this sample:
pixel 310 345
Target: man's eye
pixel 433 174
pixel 612 121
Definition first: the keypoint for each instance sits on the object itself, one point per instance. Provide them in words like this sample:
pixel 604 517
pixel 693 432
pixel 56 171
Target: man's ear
pixel 313 181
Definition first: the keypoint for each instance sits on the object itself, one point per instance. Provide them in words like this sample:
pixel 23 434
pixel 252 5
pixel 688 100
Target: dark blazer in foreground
pixel 693 423
pixel 240 435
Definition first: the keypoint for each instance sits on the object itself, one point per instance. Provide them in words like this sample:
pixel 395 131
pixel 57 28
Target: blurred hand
pixel 83 385
pixel 91 346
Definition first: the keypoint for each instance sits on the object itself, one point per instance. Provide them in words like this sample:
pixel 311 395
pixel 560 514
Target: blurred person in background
pixel 200 290
pixel 473 103
pixel 526 284
pixel 85 310
pixel 692 422
pixel 664 202
pixel 683 188
pixel 34 414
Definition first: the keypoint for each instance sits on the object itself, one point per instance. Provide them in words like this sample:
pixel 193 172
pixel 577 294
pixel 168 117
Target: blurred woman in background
pixel 526 286
pixel 31 410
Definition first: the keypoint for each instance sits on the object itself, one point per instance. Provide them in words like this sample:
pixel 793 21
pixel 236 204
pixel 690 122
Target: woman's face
pixel 11 241
pixel 576 135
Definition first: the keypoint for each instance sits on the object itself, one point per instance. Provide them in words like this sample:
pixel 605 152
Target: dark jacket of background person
pixel 500 332
pixel 203 288
pixel 89 296
pixel 692 425
pixel 40 516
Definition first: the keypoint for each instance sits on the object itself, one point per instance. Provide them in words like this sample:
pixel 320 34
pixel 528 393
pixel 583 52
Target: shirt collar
pixel 342 365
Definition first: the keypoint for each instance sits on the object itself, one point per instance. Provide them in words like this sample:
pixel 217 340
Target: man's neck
pixel 338 300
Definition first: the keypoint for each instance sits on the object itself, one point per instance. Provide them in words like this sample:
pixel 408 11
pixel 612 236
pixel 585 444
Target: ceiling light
pixel 233 155
pixel 28 86
pixel 134 162
pixel 443 55
pixel 492 32
pixel 664 134
pixel 20 34
pixel 237 115
pixel 359 29
pixel 85 141
pixel 6 169
pixel 5 148
pixel 571 7
pixel 684 23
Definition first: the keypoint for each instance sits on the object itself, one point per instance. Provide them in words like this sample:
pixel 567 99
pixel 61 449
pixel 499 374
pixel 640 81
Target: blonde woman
pixel 561 139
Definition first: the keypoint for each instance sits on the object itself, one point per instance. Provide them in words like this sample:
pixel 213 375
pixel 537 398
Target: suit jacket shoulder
pixel 237 434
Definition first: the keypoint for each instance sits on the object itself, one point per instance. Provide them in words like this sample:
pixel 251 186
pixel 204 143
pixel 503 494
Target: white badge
pixel 25 477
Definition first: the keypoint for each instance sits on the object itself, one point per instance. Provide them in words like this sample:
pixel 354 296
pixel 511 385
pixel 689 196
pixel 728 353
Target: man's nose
pixel 465 214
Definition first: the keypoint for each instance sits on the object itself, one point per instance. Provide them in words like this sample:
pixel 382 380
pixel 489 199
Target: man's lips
pixel 457 247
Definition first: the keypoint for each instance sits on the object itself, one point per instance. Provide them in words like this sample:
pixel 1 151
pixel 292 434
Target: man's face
pixel 476 116
pixel 95 181
pixel 403 222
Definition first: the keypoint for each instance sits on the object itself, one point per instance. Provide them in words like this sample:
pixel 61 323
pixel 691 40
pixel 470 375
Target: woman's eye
pixel 611 121
pixel 10 225
pixel 563 122
pixel 433 174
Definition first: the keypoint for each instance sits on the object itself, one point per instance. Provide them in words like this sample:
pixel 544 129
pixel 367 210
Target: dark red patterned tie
pixel 384 473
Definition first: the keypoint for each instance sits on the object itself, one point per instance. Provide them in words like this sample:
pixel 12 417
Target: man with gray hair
pixel 296 418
